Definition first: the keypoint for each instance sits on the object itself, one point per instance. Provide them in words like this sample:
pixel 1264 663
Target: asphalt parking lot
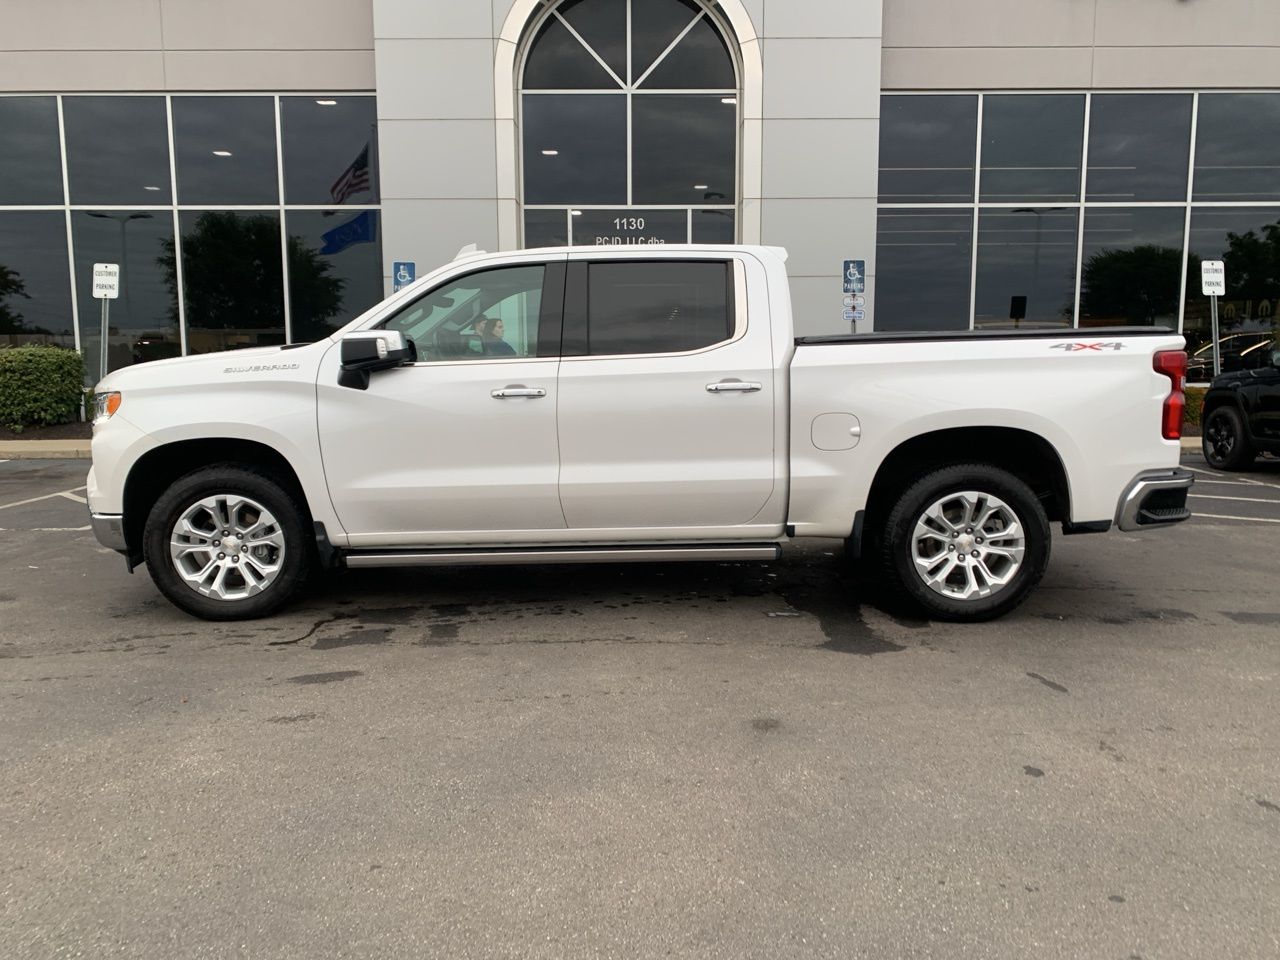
pixel 713 760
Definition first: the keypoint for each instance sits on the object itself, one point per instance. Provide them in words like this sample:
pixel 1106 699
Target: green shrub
pixel 1195 404
pixel 39 386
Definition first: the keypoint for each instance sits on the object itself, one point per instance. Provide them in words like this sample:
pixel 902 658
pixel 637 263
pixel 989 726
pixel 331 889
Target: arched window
pixel 629 124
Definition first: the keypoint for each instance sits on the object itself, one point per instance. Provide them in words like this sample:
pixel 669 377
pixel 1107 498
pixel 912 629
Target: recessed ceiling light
pixel 150 188
pixel 729 100
pixel 222 153
pixel 327 103
pixel 699 186
pixel 551 153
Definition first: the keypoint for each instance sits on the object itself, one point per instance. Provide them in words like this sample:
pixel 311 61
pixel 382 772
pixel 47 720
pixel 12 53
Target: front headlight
pixel 105 405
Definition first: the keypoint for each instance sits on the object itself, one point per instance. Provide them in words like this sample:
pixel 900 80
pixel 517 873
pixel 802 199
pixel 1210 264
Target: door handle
pixel 515 391
pixel 733 386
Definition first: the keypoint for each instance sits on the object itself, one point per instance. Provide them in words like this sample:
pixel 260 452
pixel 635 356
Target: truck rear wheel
pixel 227 542
pixel 966 543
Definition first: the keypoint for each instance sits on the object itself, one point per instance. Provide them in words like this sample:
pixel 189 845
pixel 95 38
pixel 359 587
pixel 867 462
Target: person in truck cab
pixel 491 339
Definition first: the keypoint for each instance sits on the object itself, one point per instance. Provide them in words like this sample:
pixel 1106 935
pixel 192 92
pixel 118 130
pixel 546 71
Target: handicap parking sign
pixel 403 273
pixel 855 276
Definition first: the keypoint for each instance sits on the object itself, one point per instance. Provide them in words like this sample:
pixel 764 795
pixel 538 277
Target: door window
pixel 487 315
pixel 657 307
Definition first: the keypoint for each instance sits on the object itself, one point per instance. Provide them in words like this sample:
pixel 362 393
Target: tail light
pixel 1173 364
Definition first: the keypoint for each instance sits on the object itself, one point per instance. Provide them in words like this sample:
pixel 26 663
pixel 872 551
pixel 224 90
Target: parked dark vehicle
pixel 1241 415
pixel 1236 351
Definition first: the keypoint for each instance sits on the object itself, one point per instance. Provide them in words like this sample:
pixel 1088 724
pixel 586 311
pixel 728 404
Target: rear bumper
pixel 109 529
pixel 1155 498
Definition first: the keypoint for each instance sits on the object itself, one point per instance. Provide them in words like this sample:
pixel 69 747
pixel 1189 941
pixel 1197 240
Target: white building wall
pixel 66 46
pixel 1081 44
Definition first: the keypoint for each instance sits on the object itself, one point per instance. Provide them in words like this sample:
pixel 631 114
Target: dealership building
pixel 256 168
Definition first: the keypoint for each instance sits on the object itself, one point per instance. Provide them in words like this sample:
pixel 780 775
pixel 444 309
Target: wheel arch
pixel 1025 454
pixel 159 467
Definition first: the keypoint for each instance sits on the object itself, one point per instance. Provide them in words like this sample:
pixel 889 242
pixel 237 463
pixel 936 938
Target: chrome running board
pixel 617 554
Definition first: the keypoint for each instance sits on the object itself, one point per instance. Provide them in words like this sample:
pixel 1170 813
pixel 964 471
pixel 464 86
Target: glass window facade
pixel 212 256
pixel 1091 209
pixel 607 86
pixel 30 165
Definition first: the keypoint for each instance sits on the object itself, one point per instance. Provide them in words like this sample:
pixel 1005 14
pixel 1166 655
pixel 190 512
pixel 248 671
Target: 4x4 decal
pixel 1078 347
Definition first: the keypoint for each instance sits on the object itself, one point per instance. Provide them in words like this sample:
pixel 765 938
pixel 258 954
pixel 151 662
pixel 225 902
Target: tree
pixel 232 277
pixel 1137 286
pixel 1253 264
pixel 11 285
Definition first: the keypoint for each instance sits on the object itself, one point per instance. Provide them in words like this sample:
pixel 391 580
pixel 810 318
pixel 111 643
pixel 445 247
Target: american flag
pixel 354 179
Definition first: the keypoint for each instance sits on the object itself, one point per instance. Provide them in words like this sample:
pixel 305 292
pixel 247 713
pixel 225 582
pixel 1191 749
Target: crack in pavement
pixel 310 633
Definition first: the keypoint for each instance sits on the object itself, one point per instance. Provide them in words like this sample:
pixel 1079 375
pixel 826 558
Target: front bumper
pixel 109 529
pixel 1155 498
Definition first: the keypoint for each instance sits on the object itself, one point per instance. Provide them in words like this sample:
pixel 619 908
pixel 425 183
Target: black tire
pixel 235 480
pixel 895 546
pixel 1224 443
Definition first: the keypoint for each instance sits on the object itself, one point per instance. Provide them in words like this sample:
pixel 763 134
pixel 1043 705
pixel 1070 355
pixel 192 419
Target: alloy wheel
pixel 968 545
pixel 227 547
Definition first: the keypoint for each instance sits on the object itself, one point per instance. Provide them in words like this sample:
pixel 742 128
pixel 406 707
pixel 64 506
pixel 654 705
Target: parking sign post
pixel 1213 284
pixel 106 287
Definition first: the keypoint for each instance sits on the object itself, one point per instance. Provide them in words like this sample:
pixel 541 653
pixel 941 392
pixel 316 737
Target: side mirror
pixel 366 351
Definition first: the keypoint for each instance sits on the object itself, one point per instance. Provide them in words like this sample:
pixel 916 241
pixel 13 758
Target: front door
pixel 666 401
pixel 459 447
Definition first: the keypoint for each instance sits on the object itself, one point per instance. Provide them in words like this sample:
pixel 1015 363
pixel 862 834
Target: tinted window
pixel 703 168
pixel 656 307
pixel 654 25
pixel 700 61
pixel 1027 266
pixel 713 226
pixel 117 149
pixel 30 159
pixel 335 269
pixel 603 25
pixel 1138 146
pixel 225 149
pixel 144 318
pixel 1031 147
pixel 1238 147
pixel 232 280
pixel 546 228
pixel 35 297
pixel 489 315
pixel 923 262
pixel 1247 239
pixel 557 60
pixel 614 228
pixel 330 149
pixel 575 148
pixel 1132 266
pixel 928 146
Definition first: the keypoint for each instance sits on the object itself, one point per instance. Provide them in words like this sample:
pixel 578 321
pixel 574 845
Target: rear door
pixel 666 410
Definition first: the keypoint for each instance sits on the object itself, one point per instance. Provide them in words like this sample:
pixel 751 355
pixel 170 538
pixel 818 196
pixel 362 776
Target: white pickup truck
pixel 601 405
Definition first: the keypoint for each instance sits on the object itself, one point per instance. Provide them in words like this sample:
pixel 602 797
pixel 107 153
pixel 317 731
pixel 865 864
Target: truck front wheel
pixel 227 542
pixel 966 543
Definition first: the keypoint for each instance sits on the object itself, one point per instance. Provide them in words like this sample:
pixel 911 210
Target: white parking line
pixel 1209 496
pixel 72 496
pixel 47 496
pixel 1232 483
pixel 1244 482
pixel 1223 516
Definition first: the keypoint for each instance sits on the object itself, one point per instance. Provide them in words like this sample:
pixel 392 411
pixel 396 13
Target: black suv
pixel 1241 415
